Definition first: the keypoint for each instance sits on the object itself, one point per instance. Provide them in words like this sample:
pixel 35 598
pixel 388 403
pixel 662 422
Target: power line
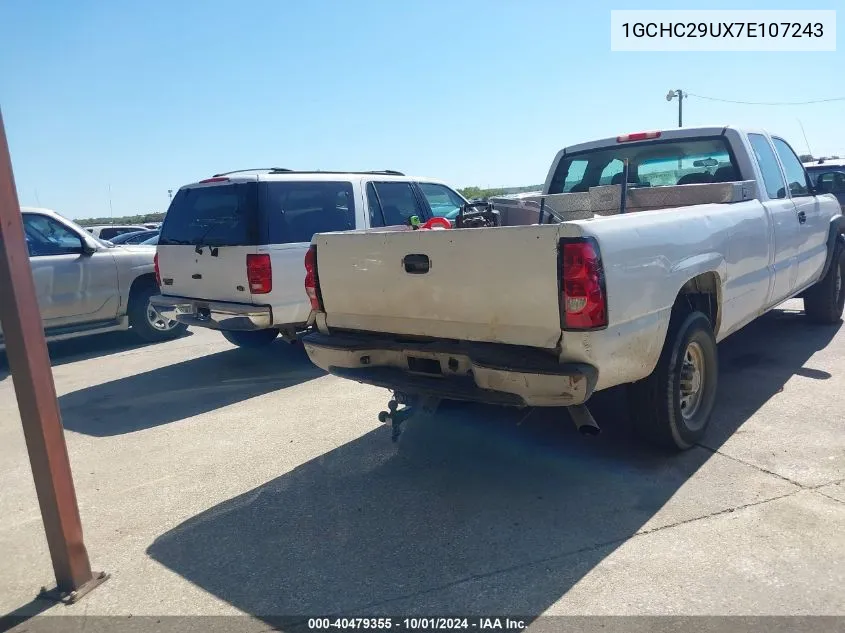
pixel 765 103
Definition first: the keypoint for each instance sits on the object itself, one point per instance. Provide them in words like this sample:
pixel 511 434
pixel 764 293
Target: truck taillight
pixel 583 300
pixel 259 273
pixel 312 282
pixel 158 271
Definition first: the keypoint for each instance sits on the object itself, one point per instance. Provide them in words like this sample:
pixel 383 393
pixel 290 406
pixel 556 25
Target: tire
pixel 146 323
pixel 660 412
pixel 252 339
pixel 823 303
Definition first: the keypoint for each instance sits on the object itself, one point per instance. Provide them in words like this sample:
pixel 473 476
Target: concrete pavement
pixel 213 480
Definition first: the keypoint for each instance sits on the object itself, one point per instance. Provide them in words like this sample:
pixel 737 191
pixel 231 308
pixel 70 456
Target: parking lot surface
pixel 212 480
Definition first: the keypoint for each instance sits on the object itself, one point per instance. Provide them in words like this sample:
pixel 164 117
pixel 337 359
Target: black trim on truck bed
pixel 493 355
pixel 460 370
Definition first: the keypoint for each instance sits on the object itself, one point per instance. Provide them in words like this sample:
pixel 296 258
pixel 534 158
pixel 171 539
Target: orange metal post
pixel 32 376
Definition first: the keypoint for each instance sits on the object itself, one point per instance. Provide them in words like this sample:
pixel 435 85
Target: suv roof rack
pixel 273 170
pixel 284 170
pixel 383 172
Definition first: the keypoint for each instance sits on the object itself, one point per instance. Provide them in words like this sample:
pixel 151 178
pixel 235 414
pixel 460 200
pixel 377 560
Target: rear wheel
pixel 823 303
pixel 146 321
pixel 251 339
pixel 672 407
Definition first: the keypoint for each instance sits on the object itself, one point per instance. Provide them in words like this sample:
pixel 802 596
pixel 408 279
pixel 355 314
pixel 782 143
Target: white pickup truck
pixel 616 285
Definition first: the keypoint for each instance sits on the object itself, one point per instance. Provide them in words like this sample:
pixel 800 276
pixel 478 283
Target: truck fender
pixel 836 234
pixel 696 267
pixel 707 273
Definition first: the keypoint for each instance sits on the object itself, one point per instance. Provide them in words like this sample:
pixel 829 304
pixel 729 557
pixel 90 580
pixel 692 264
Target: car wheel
pixel 145 320
pixel 824 302
pixel 672 407
pixel 252 339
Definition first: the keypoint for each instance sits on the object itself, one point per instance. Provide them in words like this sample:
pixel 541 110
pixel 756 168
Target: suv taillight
pixel 312 282
pixel 259 273
pixel 158 271
pixel 583 300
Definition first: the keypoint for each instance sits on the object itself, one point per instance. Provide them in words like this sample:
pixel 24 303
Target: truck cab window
pixel 398 202
pixel 444 202
pixel 373 207
pixel 45 236
pixel 796 176
pixel 831 182
pixel 772 176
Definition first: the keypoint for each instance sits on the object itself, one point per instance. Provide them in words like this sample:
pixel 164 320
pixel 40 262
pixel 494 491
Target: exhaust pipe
pixel 584 421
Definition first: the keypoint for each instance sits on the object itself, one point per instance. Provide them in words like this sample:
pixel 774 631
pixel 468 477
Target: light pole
pixel 680 94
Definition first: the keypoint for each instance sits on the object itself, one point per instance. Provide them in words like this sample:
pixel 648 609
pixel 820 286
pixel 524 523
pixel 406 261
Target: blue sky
pixel 146 96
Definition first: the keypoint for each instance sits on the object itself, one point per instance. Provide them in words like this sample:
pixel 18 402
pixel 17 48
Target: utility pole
pixel 41 418
pixel 680 94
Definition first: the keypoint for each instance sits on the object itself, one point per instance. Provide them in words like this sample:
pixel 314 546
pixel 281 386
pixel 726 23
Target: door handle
pixel 802 217
pixel 416 264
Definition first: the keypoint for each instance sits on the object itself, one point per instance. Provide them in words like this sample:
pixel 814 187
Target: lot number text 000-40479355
pixel 419 623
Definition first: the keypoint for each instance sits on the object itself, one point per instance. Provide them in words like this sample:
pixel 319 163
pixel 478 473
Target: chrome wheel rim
pixel 692 381
pixel 838 281
pixel 157 321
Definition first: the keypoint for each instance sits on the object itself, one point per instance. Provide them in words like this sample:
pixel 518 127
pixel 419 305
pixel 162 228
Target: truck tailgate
pixel 443 283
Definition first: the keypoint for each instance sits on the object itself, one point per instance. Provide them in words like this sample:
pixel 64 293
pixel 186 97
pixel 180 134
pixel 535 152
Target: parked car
pixel 108 231
pixel 152 225
pixel 548 314
pixel 86 285
pixel 231 247
pixel 136 237
pixel 828 176
pixel 151 241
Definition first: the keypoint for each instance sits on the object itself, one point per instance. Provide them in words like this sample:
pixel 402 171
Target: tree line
pixel 477 192
pixel 809 158
pixel 142 218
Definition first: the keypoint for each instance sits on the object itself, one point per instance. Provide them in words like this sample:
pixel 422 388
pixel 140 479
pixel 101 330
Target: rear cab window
pixel 655 163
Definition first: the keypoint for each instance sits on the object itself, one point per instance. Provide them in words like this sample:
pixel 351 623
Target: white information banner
pixel 723 30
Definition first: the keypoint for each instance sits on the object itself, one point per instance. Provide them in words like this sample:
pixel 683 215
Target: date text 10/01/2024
pixel 419 624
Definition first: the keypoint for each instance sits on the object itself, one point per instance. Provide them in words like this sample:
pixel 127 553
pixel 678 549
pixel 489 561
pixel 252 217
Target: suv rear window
pixel 214 215
pixel 252 213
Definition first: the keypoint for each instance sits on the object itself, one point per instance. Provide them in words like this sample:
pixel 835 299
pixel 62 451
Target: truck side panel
pixel 648 257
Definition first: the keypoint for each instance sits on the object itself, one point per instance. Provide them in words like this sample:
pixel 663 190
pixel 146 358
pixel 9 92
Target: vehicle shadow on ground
pixel 185 389
pixel 479 510
pixel 87 347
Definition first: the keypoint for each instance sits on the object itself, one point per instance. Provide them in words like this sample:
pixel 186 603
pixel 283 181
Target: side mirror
pixel 87 248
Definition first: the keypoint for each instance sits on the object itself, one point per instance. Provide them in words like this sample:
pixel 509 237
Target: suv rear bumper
pixel 217 315
pixel 483 372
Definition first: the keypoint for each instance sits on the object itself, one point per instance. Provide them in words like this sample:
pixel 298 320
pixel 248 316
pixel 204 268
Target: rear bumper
pixel 493 373
pixel 217 315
